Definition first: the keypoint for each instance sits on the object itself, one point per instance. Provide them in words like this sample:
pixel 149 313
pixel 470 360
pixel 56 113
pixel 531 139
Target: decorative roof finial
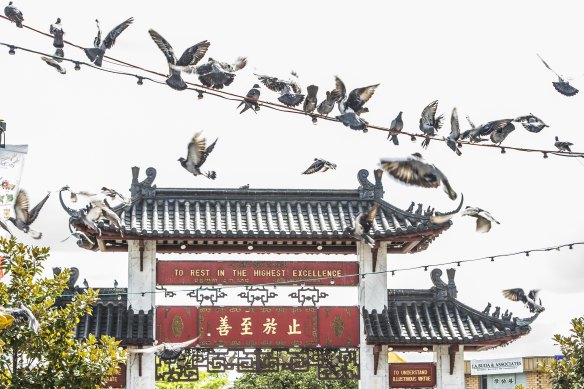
pixel 368 190
pixel 144 189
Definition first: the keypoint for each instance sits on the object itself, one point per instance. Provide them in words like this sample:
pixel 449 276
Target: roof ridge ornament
pixel 144 189
pixel 442 289
pixel 367 189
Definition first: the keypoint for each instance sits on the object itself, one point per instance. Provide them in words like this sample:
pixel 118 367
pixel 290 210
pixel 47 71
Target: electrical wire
pixel 200 89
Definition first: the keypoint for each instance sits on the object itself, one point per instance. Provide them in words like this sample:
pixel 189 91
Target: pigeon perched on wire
pixel 197 153
pixel 23 315
pixel 429 123
pixel 54 64
pixel 23 217
pixel 414 170
pixel 189 58
pixel 56 30
pixel 14 14
pixel 290 91
pixel 530 300
pixel 215 74
pixel 484 218
pixel 310 101
pixel 397 125
pixel 165 351
pixel 561 85
pixel 320 165
pixel 353 105
pixel 500 129
pixel 531 123
pixel 454 136
pixel 251 100
pixel 563 146
pixel 362 224
pixel 326 106
pixel 96 53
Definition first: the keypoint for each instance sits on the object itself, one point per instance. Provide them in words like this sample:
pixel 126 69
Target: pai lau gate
pixel 341 342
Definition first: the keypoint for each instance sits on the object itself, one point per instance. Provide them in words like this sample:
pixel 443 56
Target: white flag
pixel 11 164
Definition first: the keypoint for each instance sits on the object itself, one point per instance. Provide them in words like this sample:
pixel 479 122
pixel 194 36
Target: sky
pixel 87 128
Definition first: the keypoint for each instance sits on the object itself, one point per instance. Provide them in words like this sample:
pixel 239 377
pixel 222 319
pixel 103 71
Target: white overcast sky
pixel 86 129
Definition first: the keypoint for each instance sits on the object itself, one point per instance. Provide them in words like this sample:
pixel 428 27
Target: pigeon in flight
pixel 310 101
pixel 189 58
pixel 452 140
pixel 101 210
pixel 362 224
pixel 326 106
pixel 55 64
pixel 23 315
pixel 24 218
pixel 429 123
pixel 56 30
pixel 531 123
pixel 290 91
pixel 96 53
pixel 165 350
pixel 563 146
pixel 397 125
pixel 14 14
pixel 251 100
pixel 414 170
pixel 561 85
pixel 197 153
pixel 518 294
pixel 320 165
pixel 484 218
pixel 215 74
pixel 353 105
pixel 496 129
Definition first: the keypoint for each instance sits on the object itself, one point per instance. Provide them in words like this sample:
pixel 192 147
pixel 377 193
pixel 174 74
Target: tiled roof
pixel 417 318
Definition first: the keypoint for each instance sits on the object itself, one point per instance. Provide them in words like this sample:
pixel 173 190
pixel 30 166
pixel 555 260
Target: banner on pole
pixel 11 165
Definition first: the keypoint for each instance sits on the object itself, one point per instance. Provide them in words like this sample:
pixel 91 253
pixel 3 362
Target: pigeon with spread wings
pixel 165 350
pixel 531 123
pixel 215 74
pixel 189 58
pixel 320 165
pixel 290 91
pixel 362 224
pixel 484 218
pixel 197 153
pixel 414 170
pixel 429 123
pixel 96 53
pixel 352 106
pixel 454 136
pixel 561 85
pixel 22 315
pixel 24 218
pixel 530 299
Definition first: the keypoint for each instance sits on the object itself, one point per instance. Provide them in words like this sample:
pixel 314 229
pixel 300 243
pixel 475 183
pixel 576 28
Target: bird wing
pixel 516 294
pixel 34 213
pixel 239 63
pixel 483 225
pixel 548 66
pixel 410 171
pixel 21 206
pixel 110 39
pixel 205 68
pixel 533 294
pixel 454 125
pixel 365 92
pixel 315 167
pixel 372 214
pixel 193 54
pixel 197 150
pixel 295 87
pixel 163 346
pixel 5 227
pixel 487 215
pixel 274 84
pixel 97 39
pixel 163 45
pixel 340 90
pixel 429 113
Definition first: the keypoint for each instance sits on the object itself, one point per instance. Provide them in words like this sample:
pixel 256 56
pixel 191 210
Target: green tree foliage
pixel 206 381
pixel 288 380
pixel 568 373
pixel 52 358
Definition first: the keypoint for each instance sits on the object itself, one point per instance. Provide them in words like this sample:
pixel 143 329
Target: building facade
pixel 528 371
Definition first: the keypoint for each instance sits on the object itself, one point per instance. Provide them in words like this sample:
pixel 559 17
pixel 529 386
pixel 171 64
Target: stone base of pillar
pixel 449 366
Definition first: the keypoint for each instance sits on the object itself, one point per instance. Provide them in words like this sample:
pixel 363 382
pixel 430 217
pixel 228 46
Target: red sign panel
pixel 176 324
pixel 412 375
pixel 338 326
pixel 119 380
pixel 255 272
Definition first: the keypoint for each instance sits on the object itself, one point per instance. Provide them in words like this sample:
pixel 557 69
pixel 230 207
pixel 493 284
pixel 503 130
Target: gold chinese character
pixel 293 329
pixel 246 326
pixel 224 326
pixel 270 326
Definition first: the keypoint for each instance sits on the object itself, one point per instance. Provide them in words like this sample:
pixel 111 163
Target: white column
pixel 372 295
pixel 444 379
pixel 141 375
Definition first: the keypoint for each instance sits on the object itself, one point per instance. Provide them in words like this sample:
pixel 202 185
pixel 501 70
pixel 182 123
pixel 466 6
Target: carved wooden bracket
pixel 141 249
pixel 374 252
pixel 452 353
pixel 140 364
pixel 376 352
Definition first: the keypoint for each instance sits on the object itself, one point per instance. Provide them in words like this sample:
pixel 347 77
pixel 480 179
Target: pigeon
pixel 215 74
pixel 115 284
pixel 251 100
pixel 362 224
pixel 414 170
pixel 290 91
pixel 189 58
pixel 55 64
pixel 197 153
pixel 310 101
pixel 165 351
pixel 484 218
pixel 319 165
pixel 14 14
pixel 24 218
pixel 518 294
pixel 452 140
pixel 56 30
pixel 326 106
pixel 397 125
pixel 80 235
pixel 561 85
pixel 531 123
pixel 501 128
pixel 429 123
pixel 85 283
pixel 5 227
pixel 352 106
pixel 443 217
pixel 96 53
pixel 22 315
pixel 563 146
pixel 100 210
